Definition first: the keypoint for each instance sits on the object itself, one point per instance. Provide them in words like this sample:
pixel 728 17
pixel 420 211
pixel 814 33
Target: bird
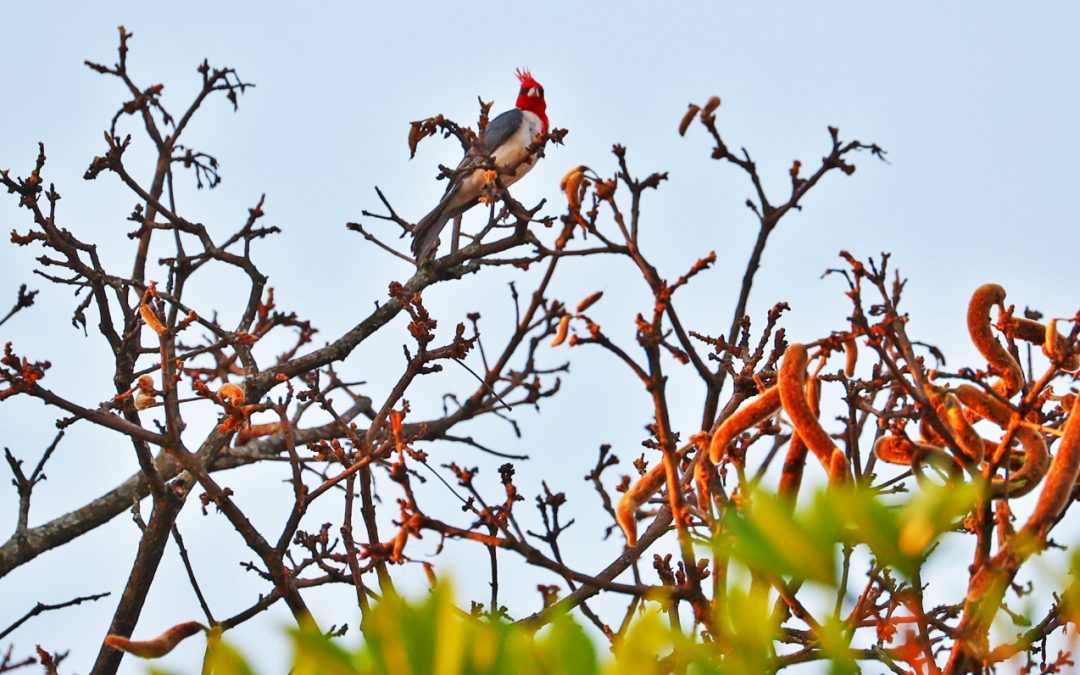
pixel 506 140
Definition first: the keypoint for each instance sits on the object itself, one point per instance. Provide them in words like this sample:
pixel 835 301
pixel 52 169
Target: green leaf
pixel 769 539
pixel 566 648
pixel 748 647
pixel 222 659
pixel 835 644
pixel 316 654
pixel 858 516
pixel 648 637
pixel 933 511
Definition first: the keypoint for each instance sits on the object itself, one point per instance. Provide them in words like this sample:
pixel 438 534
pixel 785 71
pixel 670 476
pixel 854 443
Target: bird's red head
pixel 531 96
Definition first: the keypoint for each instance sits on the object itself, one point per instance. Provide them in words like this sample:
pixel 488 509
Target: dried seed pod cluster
pixel 958 408
pixel 1054 345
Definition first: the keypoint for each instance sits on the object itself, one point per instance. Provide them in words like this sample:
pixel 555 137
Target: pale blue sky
pixel 976 103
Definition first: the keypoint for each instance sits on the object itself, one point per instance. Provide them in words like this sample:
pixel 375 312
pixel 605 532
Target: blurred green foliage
pixel 764 535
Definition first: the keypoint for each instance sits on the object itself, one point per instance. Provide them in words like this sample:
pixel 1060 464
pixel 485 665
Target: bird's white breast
pixel 516 147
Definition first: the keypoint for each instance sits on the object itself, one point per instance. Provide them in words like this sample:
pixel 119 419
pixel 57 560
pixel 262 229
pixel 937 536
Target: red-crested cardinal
pixel 506 140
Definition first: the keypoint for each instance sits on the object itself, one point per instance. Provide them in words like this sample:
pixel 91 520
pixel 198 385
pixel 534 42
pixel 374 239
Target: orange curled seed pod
pixel 1036 455
pixel 791 474
pixel 1001 362
pixel 1060 479
pixel 1027 330
pixel 398 550
pixel 969 440
pixel 767 403
pixel 159 646
pixel 895 450
pixel 948 409
pixel 795 461
pixel 632 499
pixel 702 474
pixel 150 318
pixel 589 301
pixel 851 356
pixel 925 453
pixel 257 430
pixel 564 329
pixel 792 384
pixel 985 406
pixel 711 105
pixel 813 394
pixel 233 393
pixel 928 433
pixel 1053 343
pixel 691 112
pixel 839 470
pixel 1054 346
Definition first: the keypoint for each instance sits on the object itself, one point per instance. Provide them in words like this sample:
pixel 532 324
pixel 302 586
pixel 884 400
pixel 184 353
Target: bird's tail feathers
pixel 426 233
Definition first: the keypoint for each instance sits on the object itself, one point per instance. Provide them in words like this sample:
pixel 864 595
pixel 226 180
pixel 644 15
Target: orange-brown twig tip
pixel 711 105
pixel 745 417
pixel 1036 455
pixel 1060 479
pixel 792 385
pixel 233 393
pixel 691 113
pixel 632 499
pixel 159 646
pixel 1001 362
pixel 562 332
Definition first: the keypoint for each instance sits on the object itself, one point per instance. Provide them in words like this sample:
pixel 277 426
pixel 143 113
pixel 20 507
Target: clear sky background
pixel 976 104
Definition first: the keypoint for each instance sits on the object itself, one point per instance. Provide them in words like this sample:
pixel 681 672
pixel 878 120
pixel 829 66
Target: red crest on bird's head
pixel 531 96
pixel 526 79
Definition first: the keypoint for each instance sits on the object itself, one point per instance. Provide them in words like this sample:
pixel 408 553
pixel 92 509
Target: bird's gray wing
pixel 501 128
pixel 426 232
